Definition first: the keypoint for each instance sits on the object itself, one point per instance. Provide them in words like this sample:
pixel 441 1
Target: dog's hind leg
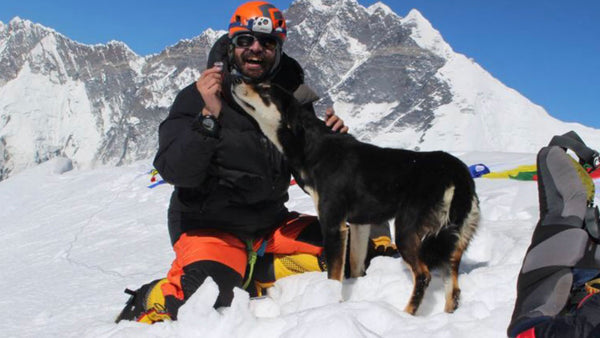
pixel 467 230
pixel 452 288
pixel 359 243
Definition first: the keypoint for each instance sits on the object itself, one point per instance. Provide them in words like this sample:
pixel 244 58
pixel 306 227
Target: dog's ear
pixel 304 94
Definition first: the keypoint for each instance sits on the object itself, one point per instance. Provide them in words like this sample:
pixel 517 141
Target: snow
pixel 426 36
pixel 72 240
pixel 46 113
pixel 318 5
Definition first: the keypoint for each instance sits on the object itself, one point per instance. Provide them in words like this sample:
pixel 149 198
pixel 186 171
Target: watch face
pixel 208 123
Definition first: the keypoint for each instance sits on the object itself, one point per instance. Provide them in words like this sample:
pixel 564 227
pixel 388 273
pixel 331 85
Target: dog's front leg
pixel 335 242
pixel 359 244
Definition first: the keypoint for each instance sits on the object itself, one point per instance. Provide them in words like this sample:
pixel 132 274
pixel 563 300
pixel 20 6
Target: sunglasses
pixel 247 40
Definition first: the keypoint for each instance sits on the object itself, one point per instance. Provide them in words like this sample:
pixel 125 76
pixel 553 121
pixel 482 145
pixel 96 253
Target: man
pixel 558 289
pixel 227 217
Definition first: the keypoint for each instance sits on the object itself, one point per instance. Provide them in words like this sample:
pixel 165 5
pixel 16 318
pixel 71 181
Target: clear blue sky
pixel 549 50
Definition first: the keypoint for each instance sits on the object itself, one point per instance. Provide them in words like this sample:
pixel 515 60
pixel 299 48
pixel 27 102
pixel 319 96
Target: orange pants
pixel 224 257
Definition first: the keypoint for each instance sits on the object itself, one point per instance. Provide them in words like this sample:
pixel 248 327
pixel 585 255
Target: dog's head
pixel 261 99
pixel 270 105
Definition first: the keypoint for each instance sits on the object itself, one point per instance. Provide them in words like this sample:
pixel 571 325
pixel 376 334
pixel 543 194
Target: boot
pixel 146 304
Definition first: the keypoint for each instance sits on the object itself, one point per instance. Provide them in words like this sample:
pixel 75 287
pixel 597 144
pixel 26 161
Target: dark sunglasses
pixel 247 40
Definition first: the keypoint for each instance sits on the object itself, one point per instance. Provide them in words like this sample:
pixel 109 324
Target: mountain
pixel 393 79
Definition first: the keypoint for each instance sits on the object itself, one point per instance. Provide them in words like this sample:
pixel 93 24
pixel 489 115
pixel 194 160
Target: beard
pixel 255 65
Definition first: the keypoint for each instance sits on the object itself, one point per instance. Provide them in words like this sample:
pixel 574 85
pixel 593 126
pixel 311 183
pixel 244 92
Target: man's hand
pixel 209 86
pixel 334 122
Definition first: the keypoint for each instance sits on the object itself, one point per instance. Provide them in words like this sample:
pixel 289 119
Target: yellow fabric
pixel 261 287
pixel 152 317
pixel 511 172
pixel 592 286
pixel 154 305
pixel 287 265
pixel 587 181
pixel 384 241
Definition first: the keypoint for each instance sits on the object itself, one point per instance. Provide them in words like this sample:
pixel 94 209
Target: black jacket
pixel 236 182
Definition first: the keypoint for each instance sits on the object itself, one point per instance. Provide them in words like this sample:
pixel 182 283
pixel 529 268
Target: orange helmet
pixel 258 17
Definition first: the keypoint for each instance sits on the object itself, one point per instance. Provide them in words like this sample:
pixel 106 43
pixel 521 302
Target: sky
pixel 545 49
pixel 74 240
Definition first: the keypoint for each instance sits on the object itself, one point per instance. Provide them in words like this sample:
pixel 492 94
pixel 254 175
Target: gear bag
pixel 564 244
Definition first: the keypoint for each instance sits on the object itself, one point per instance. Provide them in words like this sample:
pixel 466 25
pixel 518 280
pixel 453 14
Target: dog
pixel 430 195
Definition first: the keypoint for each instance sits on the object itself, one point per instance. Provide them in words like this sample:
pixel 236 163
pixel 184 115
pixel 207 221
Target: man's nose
pixel 256 46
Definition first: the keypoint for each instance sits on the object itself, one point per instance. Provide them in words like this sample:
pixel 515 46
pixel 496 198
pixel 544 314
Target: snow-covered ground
pixel 71 241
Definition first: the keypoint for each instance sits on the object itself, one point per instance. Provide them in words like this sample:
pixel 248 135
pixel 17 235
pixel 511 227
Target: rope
pixel 252 256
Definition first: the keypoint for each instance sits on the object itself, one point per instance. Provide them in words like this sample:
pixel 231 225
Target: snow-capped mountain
pixel 393 79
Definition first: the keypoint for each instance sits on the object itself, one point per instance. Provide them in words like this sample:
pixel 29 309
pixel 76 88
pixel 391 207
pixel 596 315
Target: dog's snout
pixel 236 79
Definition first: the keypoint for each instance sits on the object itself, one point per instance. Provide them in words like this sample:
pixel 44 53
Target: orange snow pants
pixel 292 248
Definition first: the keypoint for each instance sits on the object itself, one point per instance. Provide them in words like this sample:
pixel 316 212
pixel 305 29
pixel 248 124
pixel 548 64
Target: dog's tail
pixel 437 248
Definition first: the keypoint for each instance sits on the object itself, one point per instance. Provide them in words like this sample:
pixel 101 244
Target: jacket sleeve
pixel 184 154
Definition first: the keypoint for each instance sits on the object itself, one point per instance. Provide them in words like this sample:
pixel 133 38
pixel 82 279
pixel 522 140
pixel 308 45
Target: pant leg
pixel 293 248
pixel 296 247
pixel 200 254
pixel 298 234
pixel 558 243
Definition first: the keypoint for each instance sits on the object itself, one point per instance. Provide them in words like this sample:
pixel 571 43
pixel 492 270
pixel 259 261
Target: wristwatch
pixel 208 125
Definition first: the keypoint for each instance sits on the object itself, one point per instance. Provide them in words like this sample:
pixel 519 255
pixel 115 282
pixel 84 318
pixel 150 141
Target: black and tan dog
pixel 431 195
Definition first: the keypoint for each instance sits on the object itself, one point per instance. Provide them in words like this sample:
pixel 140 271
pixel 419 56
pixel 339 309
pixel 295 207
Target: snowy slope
pixel 71 241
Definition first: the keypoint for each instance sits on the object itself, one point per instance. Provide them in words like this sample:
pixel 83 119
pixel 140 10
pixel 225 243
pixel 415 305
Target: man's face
pixel 254 58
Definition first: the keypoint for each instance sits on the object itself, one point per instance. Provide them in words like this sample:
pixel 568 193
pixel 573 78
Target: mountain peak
pixel 380 7
pixel 17 23
pixel 426 36
pixel 326 5
pixel 119 45
pixel 212 34
pixel 25 27
pixel 17 20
